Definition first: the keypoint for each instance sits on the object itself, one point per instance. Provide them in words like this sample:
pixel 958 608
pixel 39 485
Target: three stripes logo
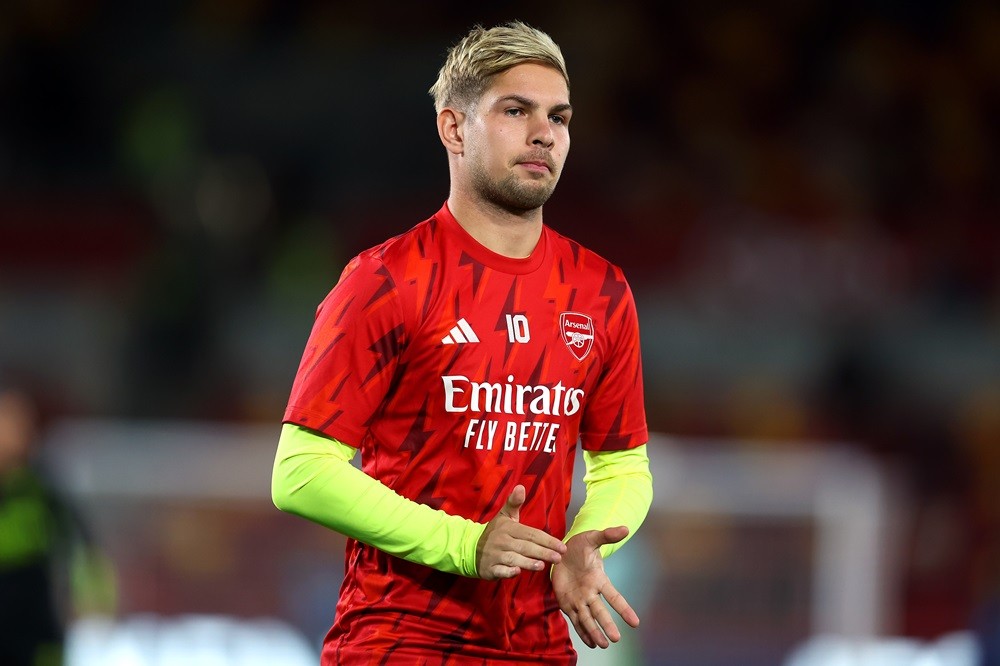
pixel 460 334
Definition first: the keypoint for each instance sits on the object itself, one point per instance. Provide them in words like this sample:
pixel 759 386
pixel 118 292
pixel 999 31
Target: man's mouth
pixel 536 165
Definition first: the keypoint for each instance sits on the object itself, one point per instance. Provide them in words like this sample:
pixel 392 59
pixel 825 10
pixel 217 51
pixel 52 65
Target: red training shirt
pixel 460 373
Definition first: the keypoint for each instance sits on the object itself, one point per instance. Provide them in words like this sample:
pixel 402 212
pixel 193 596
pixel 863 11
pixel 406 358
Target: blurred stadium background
pixel 804 195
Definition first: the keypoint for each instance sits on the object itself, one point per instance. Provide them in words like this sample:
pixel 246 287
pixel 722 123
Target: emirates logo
pixel 577 332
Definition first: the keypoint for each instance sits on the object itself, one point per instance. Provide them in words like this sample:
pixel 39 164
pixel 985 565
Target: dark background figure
pixel 46 556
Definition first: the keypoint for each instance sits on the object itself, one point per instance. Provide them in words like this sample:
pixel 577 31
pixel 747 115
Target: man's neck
pixel 506 233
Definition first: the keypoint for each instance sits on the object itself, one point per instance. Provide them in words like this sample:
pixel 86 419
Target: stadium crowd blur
pixel 804 195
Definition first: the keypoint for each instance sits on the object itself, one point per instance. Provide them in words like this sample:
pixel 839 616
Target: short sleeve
pixel 615 415
pixel 351 355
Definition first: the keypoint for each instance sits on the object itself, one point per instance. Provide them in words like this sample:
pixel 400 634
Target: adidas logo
pixel 461 334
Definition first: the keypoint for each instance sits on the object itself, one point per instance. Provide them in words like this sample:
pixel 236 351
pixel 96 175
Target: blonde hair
pixel 483 53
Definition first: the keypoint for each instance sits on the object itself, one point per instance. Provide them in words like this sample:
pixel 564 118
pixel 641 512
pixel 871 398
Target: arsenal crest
pixel 577 332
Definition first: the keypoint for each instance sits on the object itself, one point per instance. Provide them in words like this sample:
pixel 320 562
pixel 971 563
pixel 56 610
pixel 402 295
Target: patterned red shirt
pixel 460 373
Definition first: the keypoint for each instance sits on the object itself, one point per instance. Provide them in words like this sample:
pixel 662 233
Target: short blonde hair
pixel 483 53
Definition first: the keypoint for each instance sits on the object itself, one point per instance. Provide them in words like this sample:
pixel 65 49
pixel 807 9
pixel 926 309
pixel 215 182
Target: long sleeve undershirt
pixel 313 477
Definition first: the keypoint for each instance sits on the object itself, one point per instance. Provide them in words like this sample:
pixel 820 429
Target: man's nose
pixel 542 133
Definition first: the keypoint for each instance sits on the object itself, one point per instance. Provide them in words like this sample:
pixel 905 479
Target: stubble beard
pixel 510 193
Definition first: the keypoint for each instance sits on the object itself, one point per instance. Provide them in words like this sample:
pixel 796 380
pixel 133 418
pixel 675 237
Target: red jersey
pixel 460 373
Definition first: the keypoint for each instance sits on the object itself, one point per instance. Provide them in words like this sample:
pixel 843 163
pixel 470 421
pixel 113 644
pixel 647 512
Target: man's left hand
pixel 580 583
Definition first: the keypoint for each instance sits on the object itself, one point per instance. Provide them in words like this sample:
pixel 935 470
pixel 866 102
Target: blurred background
pixel 803 194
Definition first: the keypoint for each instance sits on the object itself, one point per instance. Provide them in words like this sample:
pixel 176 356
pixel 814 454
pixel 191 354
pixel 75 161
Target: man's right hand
pixel 506 546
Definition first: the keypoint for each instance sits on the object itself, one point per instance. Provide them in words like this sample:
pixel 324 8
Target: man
pixel 49 567
pixel 465 359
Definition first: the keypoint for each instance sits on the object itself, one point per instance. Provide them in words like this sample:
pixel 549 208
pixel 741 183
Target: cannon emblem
pixel 577 332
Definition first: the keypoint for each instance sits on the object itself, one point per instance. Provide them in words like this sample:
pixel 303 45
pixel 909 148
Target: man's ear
pixel 451 129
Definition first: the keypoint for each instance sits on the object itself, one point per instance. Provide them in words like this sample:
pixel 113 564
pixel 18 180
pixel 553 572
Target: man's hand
pixel 580 582
pixel 507 546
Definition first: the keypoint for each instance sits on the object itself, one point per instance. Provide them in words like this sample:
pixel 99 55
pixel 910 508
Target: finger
pixel 510 553
pixel 498 571
pixel 605 622
pixel 512 507
pixel 537 553
pixel 595 631
pixel 582 631
pixel 536 543
pixel 612 535
pixel 620 604
pixel 514 559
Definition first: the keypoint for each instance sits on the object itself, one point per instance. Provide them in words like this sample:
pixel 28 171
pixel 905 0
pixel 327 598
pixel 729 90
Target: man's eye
pixel 558 120
pixel 513 112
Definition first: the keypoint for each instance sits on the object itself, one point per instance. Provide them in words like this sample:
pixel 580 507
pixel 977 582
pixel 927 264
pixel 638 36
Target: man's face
pixel 17 417
pixel 517 137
